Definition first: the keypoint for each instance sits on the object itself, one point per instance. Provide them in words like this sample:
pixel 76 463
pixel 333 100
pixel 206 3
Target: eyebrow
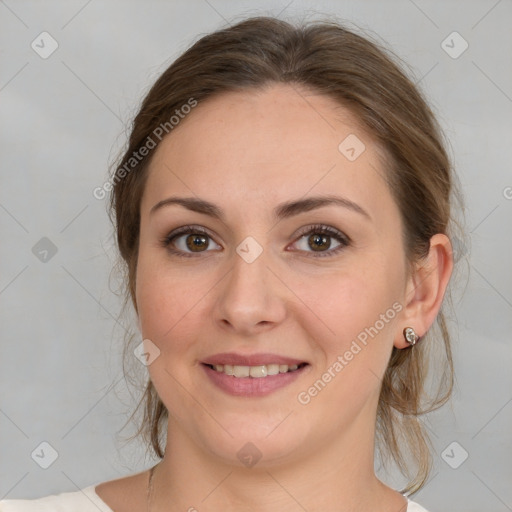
pixel 282 211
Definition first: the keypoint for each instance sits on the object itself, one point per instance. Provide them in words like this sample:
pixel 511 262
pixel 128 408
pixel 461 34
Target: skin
pixel 248 152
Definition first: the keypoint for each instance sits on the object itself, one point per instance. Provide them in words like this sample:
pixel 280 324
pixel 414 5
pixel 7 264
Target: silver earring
pixel 410 336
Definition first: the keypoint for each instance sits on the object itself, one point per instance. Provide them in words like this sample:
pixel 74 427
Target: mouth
pixel 253 376
pixel 255 372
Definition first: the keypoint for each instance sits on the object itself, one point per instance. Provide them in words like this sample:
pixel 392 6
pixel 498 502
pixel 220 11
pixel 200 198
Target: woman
pixel 284 213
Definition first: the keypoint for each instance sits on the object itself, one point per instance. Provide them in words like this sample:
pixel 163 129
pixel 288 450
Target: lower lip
pixel 250 386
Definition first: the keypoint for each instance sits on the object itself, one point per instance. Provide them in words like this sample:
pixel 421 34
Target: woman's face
pixel 267 284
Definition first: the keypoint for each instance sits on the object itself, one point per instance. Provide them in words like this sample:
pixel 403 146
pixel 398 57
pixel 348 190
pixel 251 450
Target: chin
pixel 255 446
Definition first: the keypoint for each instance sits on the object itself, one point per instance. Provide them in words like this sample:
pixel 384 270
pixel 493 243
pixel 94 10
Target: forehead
pixel 267 145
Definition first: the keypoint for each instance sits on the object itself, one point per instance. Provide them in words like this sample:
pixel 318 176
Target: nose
pixel 250 299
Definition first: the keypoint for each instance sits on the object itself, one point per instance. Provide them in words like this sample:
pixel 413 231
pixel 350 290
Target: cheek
pixel 362 312
pixel 360 308
pixel 170 301
pixel 159 300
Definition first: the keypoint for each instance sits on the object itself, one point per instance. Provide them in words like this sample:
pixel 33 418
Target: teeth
pixel 272 369
pixel 240 371
pixel 254 371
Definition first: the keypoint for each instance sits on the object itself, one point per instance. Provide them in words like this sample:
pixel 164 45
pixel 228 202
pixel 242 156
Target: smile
pixel 253 381
pixel 255 372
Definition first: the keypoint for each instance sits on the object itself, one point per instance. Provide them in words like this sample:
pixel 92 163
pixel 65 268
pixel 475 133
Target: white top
pixel 86 500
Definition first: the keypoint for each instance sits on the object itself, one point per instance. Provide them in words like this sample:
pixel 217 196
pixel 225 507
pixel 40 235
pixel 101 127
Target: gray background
pixel 63 121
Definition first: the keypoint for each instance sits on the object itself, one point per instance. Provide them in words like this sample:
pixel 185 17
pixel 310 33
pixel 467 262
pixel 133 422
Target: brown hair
pixel 360 75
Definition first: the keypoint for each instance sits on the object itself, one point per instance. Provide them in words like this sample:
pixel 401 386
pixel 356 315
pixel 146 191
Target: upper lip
pixel 250 359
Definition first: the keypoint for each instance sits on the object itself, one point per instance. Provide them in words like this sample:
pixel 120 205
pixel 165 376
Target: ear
pixel 426 288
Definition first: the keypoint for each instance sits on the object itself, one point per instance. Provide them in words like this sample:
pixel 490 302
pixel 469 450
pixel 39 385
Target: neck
pixel 339 472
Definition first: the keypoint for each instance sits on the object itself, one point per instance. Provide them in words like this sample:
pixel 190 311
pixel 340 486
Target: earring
pixel 410 336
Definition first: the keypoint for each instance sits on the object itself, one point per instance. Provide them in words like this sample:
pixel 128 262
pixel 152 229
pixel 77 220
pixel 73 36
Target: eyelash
pixel 316 229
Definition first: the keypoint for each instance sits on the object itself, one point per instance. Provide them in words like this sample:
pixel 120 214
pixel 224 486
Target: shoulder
pixel 124 494
pixel 412 506
pixel 84 500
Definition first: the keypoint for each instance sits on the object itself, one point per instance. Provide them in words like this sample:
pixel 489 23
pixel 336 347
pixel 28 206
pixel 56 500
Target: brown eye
pixel 188 240
pixel 196 242
pixel 318 239
pixel 319 242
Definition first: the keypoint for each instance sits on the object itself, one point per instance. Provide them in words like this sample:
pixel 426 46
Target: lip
pixel 250 359
pixel 249 386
